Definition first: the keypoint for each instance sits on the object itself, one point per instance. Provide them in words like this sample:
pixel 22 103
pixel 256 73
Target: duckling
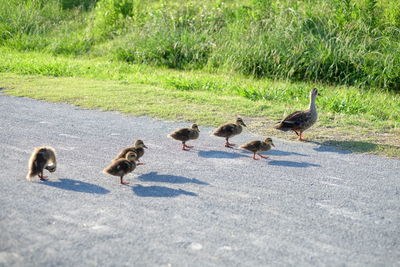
pixel 185 134
pixel 300 121
pixel 123 166
pixel 258 146
pixel 42 158
pixel 138 148
pixel 229 130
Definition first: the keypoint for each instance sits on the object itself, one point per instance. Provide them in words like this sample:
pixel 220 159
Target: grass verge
pixel 354 132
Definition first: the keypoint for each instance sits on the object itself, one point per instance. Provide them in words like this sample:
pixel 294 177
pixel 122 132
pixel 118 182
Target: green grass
pixel 339 42
pixel 361 121
pixel 207 61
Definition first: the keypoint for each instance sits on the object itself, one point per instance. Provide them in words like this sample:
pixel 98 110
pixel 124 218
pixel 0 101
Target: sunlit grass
pixel 208 108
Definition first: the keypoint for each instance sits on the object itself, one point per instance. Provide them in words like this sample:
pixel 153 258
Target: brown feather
pixel 184 134
pixel 120 167
pixel 40 159
pixel 256 146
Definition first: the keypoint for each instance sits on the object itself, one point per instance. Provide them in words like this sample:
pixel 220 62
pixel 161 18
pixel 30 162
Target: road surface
pixel 212 206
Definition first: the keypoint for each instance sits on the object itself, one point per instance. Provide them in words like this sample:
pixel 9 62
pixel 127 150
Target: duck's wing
pixel 252 146
pixel 225 130
pixel 181 134
pixel 294 120
pixel 124 151
pixel 119 167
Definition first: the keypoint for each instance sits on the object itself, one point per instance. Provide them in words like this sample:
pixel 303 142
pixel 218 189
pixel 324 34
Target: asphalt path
pixel 307 205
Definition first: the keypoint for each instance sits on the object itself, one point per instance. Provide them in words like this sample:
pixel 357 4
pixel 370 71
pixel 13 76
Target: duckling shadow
pixel 276 152
pixel 165 178
pixel 218 154
pixel 294 164
pixel 77 186
pixel 159 191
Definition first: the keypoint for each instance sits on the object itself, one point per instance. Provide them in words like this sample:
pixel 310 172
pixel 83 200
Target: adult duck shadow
pixel 77 186
pixel 294 164
pixel 219 154
pixel 159 191
pixel 348 147
pixel 166 178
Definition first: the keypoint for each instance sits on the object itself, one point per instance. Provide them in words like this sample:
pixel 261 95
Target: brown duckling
pixel 138 148
pixel 185 134
pixel 300 121
pixel 258 146
pixel 229 130
pixel 42 158
pixel 121 167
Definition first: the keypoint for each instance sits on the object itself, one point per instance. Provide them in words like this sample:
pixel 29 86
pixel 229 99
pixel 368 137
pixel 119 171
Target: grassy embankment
pixel 206 98
pixel 206 62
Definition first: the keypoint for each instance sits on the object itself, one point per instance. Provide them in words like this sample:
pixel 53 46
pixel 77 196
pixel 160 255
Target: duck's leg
pixel 43 178
pixel 122 180
pixel 264 157
pixel 227 144
pixel 301 137
pixel 254 156
pixel 185 147
pixel 184 143
pixel 296 132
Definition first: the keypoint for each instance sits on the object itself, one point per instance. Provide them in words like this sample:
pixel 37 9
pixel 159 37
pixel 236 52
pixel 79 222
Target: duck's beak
pixel 244 125
pixel 272 144
pixel 145 146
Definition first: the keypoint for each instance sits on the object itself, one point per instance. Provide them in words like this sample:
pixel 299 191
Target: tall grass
pixel 349 42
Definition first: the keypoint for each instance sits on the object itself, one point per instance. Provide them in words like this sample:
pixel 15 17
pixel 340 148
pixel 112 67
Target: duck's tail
pixel 106 170
pixel 282 126
pixel 30 175
pixel 32 167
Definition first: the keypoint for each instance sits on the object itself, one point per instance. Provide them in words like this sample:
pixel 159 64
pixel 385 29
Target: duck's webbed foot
pixel 42 178
pixel 264 157
pixel 301 138
pixel 230 145
pixel 186 147
pixel 122 181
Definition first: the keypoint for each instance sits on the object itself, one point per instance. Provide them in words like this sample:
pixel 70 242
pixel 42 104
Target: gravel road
pixel 307 205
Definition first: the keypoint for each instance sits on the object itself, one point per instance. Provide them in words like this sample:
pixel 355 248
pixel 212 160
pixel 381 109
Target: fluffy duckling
pixel 258 146
pixel 300 121
pixel 42 158
pixel 185 134
pixel 121 167
pixel 138 148
pixel 229 130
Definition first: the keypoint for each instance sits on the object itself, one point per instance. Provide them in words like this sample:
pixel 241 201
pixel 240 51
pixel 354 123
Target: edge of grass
pixel 203 107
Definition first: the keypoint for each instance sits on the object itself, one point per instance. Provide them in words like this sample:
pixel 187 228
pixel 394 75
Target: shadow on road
pixel 276 152
pixel 166 178
pixel 347 147
pixel 77 186
pixel 159 191
pixel 218 154
pixel 294 164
